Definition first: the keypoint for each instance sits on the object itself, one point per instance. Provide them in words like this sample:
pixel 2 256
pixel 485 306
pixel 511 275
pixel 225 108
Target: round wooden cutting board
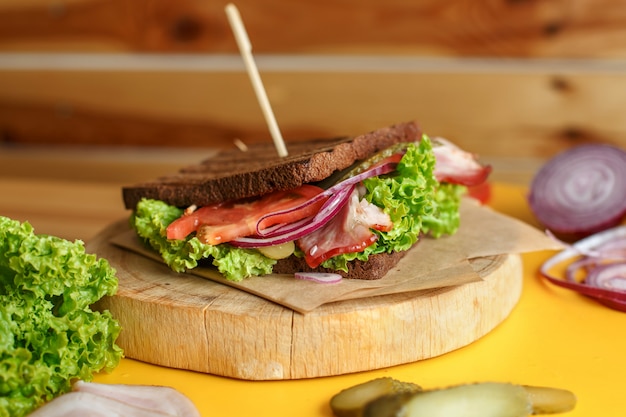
pixel 187 322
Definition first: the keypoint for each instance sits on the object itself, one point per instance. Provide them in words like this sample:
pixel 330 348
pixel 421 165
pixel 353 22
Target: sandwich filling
pixel 382 205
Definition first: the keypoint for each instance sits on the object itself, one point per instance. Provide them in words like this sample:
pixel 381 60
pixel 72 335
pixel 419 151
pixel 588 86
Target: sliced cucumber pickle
pixel 281 251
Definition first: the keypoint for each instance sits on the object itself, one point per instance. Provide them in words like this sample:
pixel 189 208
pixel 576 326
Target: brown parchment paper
pixel 432 263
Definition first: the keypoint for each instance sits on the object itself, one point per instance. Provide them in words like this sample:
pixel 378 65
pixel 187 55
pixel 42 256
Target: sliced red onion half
pixel 602 260
pixel 337 197
pixel 581 191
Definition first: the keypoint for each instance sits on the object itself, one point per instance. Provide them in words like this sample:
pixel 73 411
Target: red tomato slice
pixel 481 192
pixel 220 223
pixel 368 238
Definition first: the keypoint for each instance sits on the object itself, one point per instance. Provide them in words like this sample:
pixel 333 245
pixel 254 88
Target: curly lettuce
pixel 414 200
pixel 150 220
pixel 49 336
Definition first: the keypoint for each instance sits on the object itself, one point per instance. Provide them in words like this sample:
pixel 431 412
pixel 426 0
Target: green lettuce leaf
pixel 150 220
pixel 49 336
pixel 415 201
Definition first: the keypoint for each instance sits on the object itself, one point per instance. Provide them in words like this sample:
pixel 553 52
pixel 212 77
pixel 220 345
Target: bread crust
pixel 233 174
pixel 376 266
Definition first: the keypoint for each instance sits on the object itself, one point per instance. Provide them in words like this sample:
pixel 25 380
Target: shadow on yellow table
pixel 553 337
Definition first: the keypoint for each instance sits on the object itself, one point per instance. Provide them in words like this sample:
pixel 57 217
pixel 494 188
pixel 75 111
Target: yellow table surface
pixel 553 337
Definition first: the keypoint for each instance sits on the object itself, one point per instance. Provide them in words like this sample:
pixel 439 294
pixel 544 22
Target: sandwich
pixel 351 206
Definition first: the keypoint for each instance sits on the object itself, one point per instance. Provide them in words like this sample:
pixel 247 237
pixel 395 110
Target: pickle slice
pixel 470 400
pixel 351 401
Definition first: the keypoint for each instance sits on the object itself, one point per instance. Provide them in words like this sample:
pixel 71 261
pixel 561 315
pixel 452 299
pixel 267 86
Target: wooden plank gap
pixel 301 63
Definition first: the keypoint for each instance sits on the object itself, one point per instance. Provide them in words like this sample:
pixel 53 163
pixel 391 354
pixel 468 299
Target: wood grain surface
pixel 183 321
pixel 533 115
pixel 522 79
pixel 556 28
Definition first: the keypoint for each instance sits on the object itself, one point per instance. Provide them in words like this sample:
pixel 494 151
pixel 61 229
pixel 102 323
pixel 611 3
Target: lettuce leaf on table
pixel 49 336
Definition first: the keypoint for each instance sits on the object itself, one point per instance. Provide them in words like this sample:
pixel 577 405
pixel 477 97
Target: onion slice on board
pixel 320 277
pixel 604 263
pixel 581 191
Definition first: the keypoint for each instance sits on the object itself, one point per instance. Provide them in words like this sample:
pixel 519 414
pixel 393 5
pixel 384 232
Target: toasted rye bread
pixel 233 174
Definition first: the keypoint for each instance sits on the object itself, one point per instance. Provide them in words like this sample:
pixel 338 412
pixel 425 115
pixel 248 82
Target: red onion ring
pixel 373 172
pixel 584 264
pixel 282 228
pixel 332 206
pixel 338 195
pixel 605 268
pixel 581 191
pixel 612 276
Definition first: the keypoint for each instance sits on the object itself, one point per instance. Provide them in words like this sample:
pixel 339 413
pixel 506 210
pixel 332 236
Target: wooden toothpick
pixel 245 48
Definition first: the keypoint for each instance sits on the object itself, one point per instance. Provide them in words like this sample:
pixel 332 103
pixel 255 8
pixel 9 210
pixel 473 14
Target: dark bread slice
pixel 376 266
pixel 233 174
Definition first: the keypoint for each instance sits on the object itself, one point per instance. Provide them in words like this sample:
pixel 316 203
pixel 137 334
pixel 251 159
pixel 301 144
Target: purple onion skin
pixel 594 170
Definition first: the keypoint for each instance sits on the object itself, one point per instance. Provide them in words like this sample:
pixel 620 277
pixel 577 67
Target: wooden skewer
pixel 245 48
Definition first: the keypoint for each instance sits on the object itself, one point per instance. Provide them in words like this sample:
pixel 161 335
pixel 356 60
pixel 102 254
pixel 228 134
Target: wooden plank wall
pixel 504 78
